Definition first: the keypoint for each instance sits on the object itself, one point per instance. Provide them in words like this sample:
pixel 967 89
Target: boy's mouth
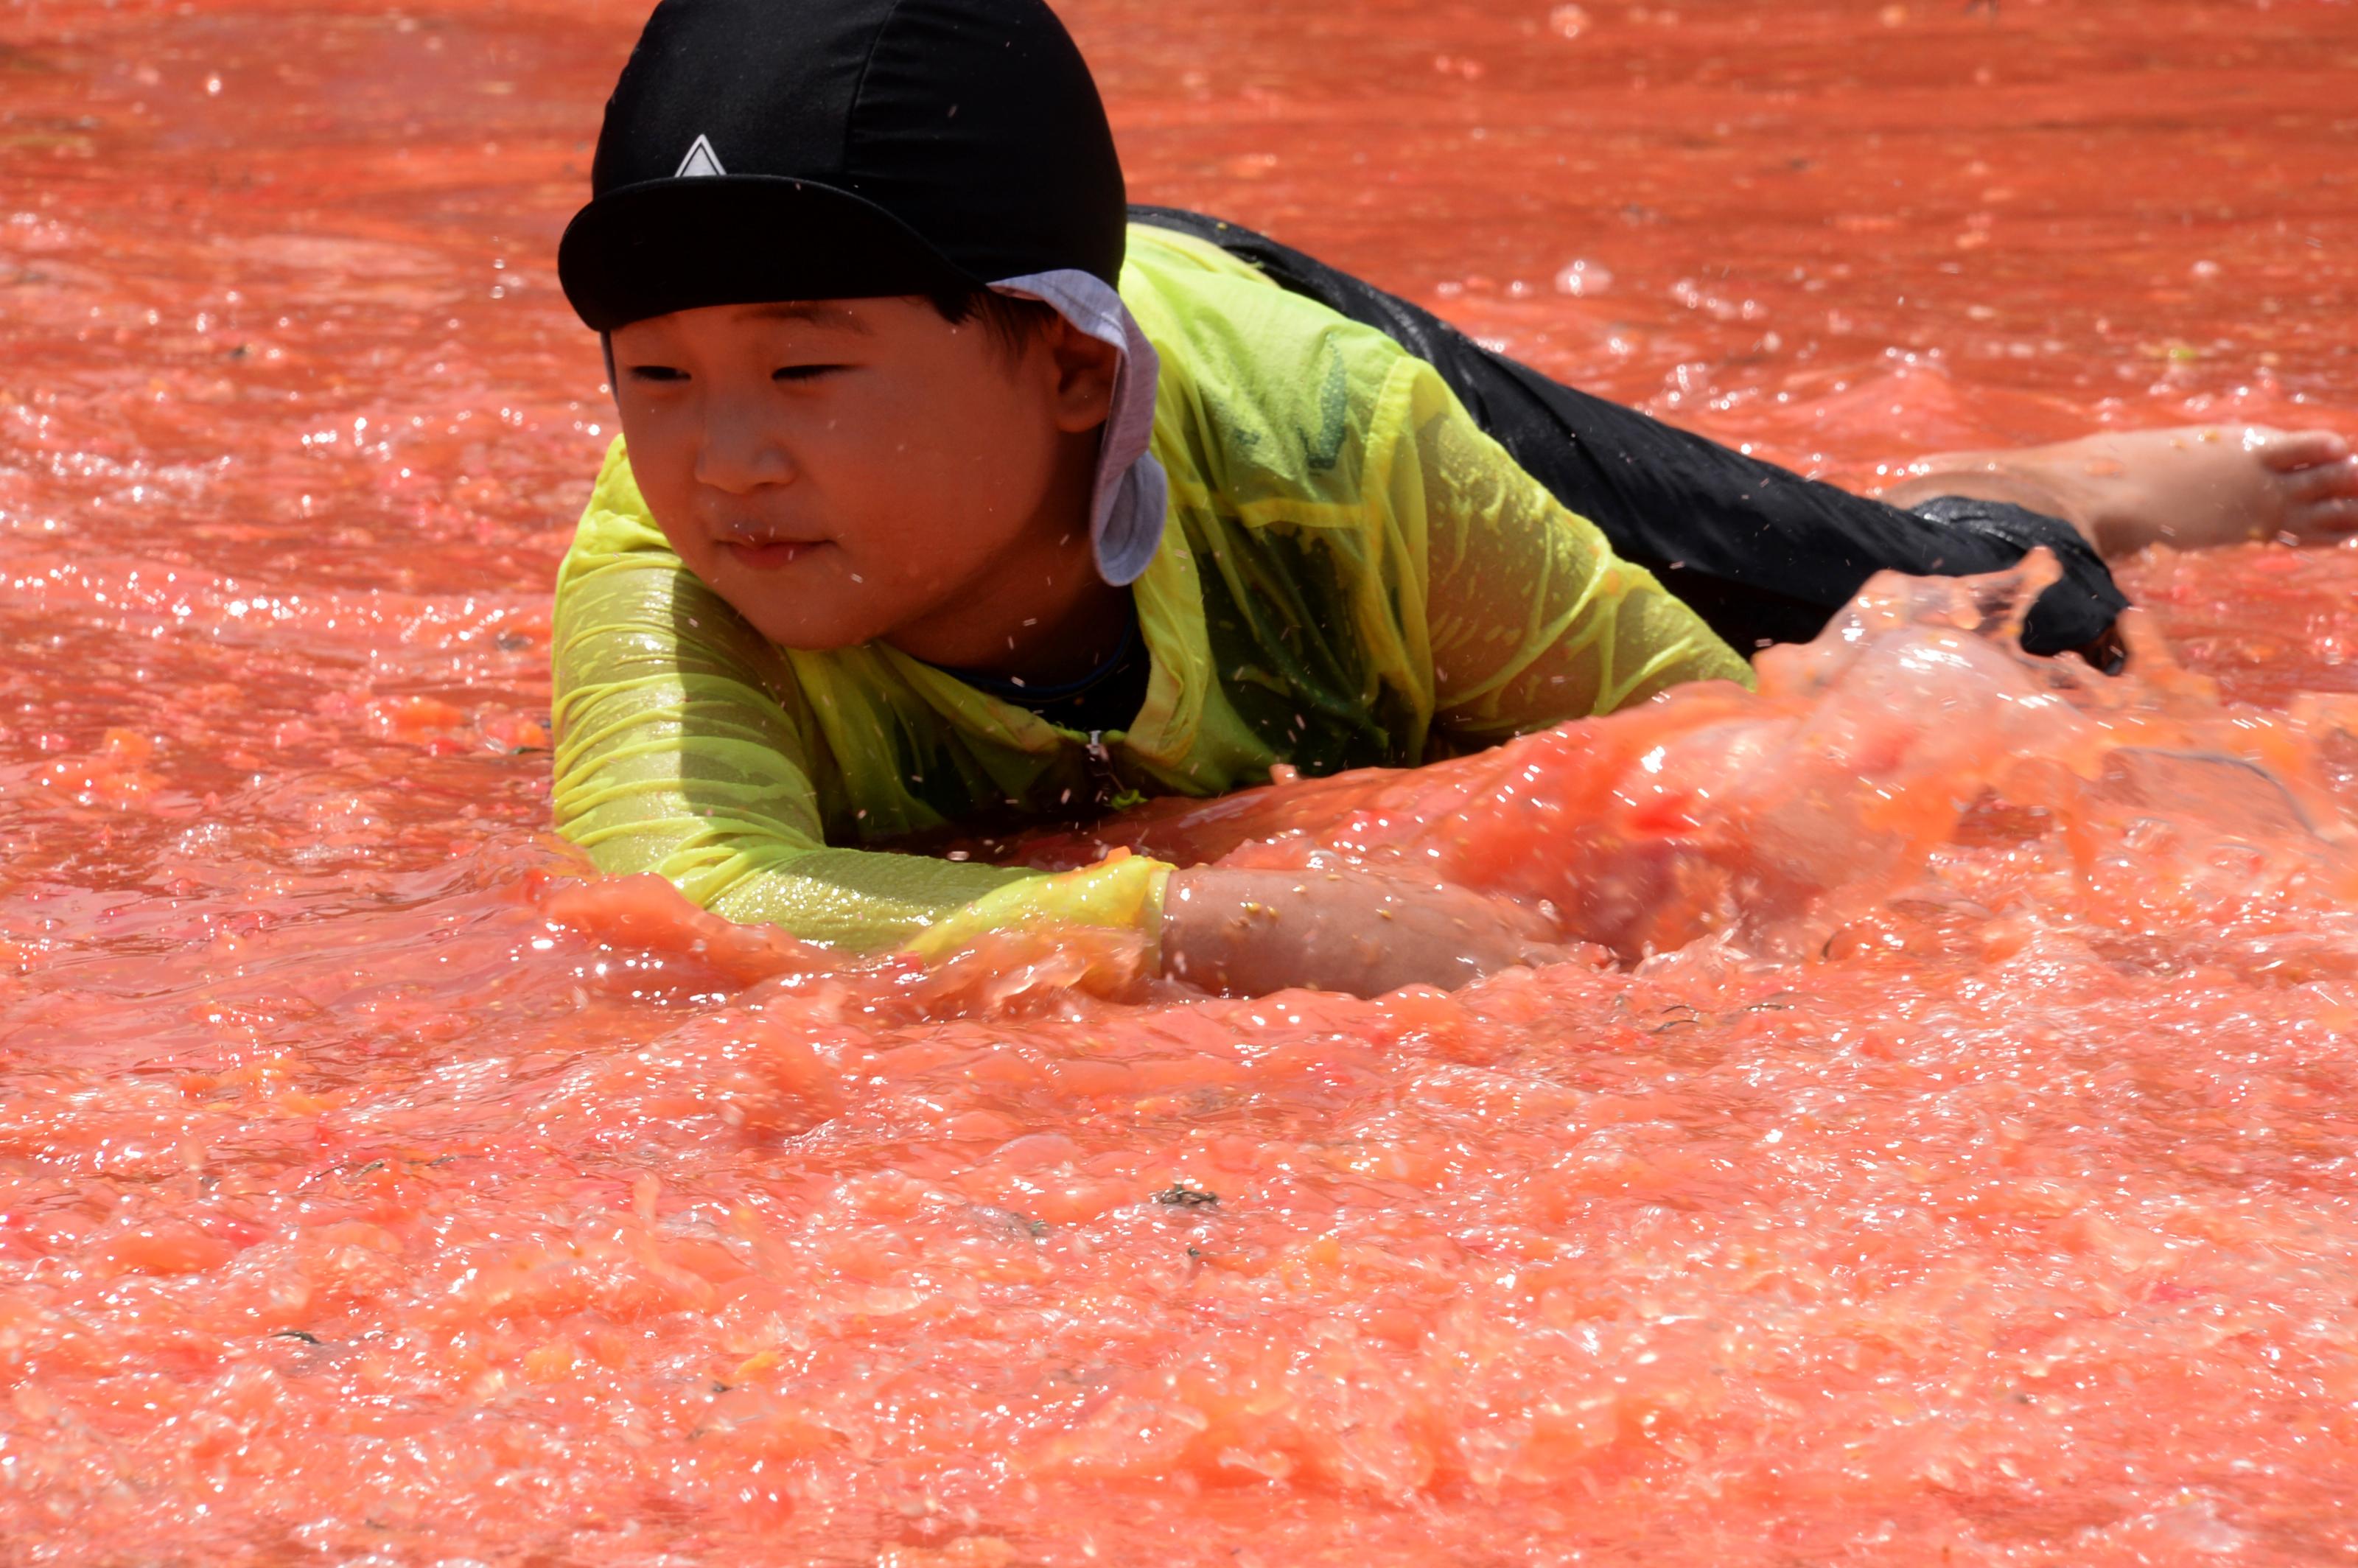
pixel 769 554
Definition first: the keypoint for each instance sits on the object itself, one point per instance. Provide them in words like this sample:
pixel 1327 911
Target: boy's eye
pixel 658 373
pixel 803 372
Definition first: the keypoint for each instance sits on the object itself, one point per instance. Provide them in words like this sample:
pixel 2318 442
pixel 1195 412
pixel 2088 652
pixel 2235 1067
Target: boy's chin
pixel 817 634
pixel 814 618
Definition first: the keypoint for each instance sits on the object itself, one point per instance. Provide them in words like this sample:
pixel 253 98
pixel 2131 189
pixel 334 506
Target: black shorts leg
pixel 1761 554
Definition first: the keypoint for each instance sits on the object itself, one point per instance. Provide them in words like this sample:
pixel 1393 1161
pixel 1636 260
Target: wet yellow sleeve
pixel 1532 620
pixel 684 747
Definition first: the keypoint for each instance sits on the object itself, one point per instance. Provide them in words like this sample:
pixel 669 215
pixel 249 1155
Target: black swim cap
pixel 757 151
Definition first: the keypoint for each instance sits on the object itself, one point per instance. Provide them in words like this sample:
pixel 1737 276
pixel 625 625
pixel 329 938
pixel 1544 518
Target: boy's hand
pixel 1246 931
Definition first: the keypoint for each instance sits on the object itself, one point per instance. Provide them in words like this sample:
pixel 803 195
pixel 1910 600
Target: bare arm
pixel 1248 931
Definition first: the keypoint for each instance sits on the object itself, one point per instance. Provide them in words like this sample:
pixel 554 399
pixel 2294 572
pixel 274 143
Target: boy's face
pixel 844 470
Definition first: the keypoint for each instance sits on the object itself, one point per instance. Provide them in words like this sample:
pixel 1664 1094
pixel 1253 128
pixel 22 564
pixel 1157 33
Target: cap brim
pixel 739 238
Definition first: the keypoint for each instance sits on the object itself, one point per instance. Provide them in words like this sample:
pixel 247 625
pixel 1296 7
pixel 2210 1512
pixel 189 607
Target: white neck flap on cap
pixel 1128 498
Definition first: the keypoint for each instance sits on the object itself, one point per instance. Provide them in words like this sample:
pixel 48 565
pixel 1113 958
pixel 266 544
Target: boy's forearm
pixel 1247 933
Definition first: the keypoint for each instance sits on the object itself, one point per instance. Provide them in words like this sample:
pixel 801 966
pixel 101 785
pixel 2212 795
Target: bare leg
pixel 2191 487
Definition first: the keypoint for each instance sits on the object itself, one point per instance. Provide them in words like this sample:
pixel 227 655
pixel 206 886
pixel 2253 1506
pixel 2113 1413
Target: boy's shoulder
pixel 1256 379
pixel 1159 251
pixel 1190 295
pixel 616 524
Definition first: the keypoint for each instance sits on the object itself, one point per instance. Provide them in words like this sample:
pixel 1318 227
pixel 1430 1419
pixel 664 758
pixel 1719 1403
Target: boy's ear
pixel 1086 368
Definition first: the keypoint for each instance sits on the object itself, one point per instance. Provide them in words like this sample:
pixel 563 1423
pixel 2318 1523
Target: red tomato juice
pixel 1944 1151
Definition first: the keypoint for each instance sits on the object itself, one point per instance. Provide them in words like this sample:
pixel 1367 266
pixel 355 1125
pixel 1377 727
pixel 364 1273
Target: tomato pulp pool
pixel 1970 1177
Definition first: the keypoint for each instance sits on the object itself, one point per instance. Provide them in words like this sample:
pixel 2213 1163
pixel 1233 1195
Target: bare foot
pixel 2192 487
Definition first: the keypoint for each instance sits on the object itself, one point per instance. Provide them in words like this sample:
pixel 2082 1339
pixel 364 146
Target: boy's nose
pixel 739 456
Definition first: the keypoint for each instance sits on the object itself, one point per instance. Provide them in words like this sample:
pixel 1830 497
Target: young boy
pixel 951 491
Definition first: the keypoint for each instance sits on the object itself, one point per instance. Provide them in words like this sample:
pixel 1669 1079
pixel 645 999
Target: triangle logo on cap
pixel 701 160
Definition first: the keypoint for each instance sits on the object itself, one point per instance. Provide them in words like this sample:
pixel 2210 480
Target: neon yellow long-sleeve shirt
pixel 1351 574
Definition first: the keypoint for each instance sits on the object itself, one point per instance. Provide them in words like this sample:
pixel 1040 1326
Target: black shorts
pixel 1761 554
